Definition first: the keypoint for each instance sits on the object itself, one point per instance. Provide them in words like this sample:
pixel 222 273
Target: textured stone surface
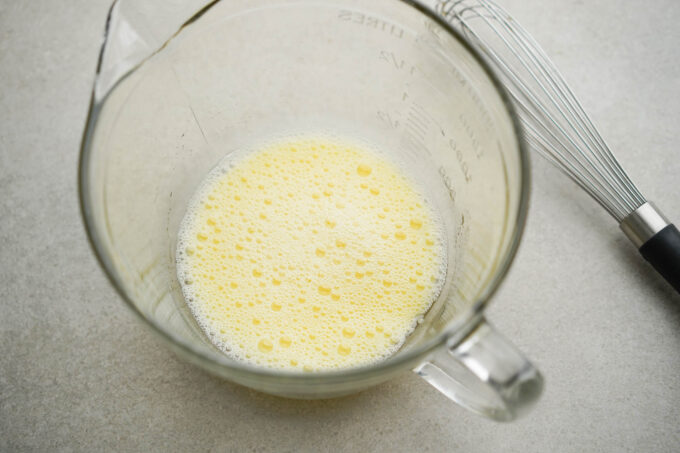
pixel 79 373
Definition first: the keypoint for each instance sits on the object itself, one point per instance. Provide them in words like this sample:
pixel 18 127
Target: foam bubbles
pixel 310 253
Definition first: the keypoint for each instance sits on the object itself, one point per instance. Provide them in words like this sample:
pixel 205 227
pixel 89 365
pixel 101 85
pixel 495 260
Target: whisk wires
pixel 554 121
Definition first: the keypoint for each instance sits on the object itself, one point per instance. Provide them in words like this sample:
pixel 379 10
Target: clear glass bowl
pixel 177 90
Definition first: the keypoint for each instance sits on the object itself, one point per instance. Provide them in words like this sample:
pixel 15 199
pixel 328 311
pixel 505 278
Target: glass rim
pixel 400 360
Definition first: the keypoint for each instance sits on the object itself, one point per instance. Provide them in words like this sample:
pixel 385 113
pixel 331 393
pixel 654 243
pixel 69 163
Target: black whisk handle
pixel 663 252
pixel 657 239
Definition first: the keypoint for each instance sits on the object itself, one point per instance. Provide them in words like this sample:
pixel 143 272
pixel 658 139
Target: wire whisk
pixel 556 126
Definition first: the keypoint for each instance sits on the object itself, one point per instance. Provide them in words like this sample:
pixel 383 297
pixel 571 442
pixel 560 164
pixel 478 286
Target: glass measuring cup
pixel 177 90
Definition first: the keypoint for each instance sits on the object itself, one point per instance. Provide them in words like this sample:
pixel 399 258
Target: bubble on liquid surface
pixel 310 253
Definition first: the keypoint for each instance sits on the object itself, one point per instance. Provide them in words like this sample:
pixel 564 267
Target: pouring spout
pixel 135 31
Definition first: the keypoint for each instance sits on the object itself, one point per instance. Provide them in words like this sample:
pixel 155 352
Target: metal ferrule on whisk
pixel 643 223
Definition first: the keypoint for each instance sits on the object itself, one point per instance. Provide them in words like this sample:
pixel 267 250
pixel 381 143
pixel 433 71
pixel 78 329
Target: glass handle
pixel 484 373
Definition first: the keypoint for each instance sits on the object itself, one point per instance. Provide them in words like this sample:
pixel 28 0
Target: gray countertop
pixel 79 373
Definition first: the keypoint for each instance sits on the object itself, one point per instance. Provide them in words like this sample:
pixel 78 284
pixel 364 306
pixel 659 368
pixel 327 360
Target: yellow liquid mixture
pixel 310 253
